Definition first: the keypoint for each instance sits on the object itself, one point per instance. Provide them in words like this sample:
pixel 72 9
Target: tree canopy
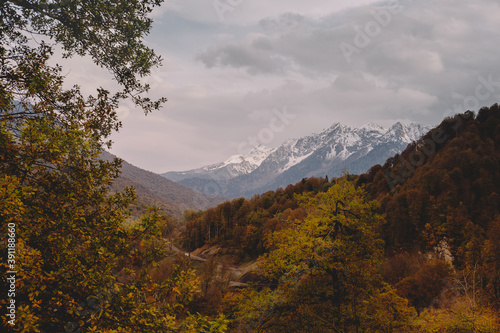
pixel 323 274
pixel 111 32
pixel 79 268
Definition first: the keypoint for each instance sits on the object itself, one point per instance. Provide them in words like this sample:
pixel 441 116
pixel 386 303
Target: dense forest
pixel 410 246
pixel 437 229
pixel 242 226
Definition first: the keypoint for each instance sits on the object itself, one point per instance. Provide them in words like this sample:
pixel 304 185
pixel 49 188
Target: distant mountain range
pixel 154 190
pixel 233 167
pixel 328 153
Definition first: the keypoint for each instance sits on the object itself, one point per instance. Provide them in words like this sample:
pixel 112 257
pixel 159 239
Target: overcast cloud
pixel 413 61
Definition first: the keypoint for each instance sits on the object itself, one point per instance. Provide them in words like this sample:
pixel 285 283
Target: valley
pixel 423 227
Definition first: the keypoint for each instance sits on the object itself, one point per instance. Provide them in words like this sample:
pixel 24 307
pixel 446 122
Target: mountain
pixel 154 190
pixel 234 166
pixel 438 212
pixel 330 152
pixel 446 184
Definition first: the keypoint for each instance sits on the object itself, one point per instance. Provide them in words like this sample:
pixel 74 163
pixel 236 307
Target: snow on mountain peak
pixel 258 155
pixel 373 127
pixel 235 159
pixel 407 133
pixel 328 153
pixel 243 164
pixel 339 142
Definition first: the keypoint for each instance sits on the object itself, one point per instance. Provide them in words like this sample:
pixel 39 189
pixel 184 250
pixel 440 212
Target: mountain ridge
pixel 234 166
pixel 330 152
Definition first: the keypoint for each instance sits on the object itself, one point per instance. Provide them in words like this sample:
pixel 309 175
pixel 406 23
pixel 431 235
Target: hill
pixel 152 189
pixel 445 185
pixel 426 223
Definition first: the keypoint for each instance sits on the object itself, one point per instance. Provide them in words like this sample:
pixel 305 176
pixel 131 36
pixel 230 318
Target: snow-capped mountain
pixel 234 166
pixel 330 152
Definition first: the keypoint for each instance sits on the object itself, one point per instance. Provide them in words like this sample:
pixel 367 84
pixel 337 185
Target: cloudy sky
pixel 243 72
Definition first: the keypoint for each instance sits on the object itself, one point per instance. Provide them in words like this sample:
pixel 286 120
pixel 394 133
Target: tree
pixel 79 269
pixel 110 32
pixel 324 274
pixel 71 240
pixel 491 263
pixel 424 287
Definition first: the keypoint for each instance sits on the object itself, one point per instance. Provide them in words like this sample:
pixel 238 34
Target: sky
pixel 238 73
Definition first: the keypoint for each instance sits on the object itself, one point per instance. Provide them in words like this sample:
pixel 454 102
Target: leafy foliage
pixel 423 287
pixel 79 268
pixel 452 195
pixel 110 32
pixel 242 226
pixel 324 272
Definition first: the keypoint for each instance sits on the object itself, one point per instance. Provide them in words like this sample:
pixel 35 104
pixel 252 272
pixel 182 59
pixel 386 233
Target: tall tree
pixel 78 268
pixel 324 273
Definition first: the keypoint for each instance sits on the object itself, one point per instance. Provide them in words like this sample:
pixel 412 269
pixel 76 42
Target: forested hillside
pixel 443 184
pixel 410 246
pixel 432 233
pixel 154 190
pixel 242 226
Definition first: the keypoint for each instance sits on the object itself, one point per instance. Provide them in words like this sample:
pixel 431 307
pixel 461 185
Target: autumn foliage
pixel 435 217
pixel 243 226
pixel 410 246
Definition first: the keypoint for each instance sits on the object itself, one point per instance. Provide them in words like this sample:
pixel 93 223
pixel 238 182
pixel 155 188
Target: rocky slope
pixel 328 153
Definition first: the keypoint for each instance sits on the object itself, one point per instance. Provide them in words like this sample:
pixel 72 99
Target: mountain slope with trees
pixel 154 190
pixel 438 219
pixel 442 184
